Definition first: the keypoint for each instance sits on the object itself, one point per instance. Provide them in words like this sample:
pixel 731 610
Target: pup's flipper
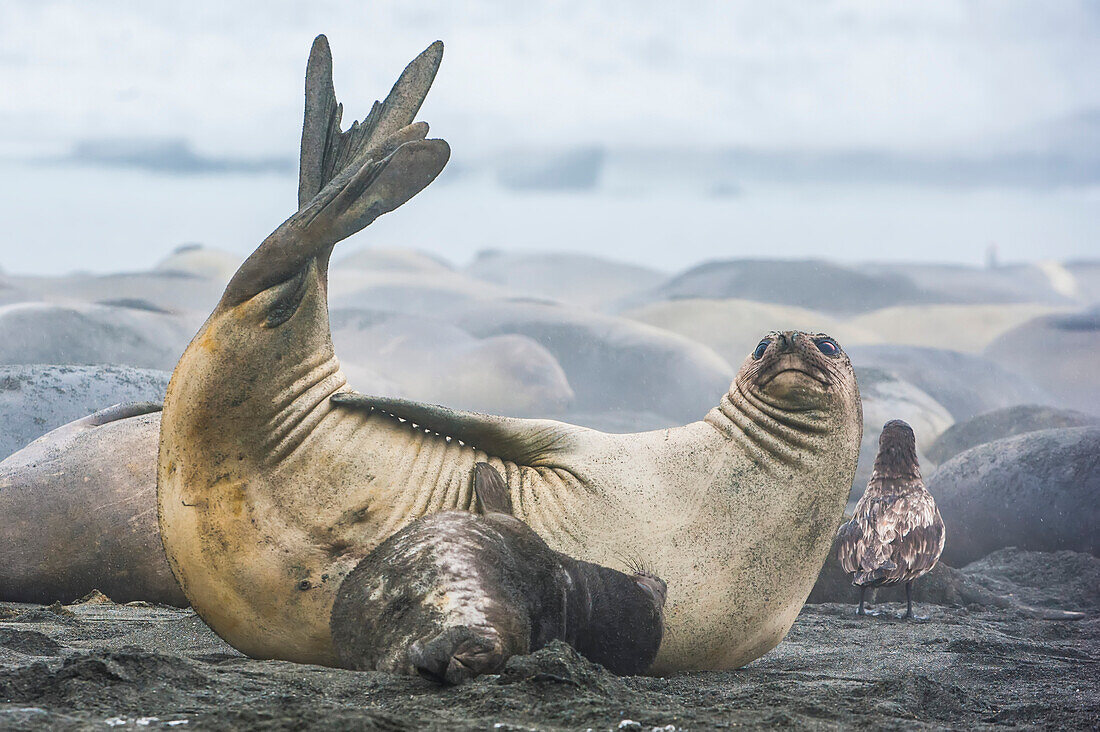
pixel 492 492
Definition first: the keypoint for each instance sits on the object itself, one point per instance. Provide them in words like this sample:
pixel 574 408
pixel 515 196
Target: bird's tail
pixel 875 576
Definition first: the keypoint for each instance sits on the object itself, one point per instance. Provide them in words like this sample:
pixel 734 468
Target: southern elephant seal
pixel 966 384
pixel 887 396
pixel 454 595
pixel 127 332
pixel 1003 423
pixel 439 362
pixel 78 507
pixel 731 326
pixel 200 262
pixel 816 285
pixel 1034 491
pixel 578 279
pixel 274 481
pixel 1070 378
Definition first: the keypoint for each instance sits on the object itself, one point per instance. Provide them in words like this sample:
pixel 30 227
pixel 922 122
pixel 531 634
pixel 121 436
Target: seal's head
pixel 654 587
pixel 796 371
pixel 897 452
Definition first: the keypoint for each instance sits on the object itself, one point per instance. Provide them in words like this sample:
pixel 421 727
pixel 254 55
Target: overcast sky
pixel 956 75
pixel 922 85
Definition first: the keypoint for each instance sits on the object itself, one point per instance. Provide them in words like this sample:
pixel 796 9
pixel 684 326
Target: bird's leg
pixel 909 604
pixel 861 611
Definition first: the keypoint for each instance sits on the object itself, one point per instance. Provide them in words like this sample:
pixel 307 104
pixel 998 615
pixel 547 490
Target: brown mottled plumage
pixel 896 534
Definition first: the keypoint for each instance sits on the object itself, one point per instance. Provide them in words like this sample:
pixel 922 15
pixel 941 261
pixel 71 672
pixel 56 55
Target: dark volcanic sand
pixel 104 666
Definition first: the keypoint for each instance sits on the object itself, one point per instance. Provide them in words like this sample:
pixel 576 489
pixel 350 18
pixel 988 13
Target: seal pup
pixel 896 533
pixel 275 480
pixel 454 595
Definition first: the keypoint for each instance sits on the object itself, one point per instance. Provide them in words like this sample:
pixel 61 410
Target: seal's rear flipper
pixel 492 492
pixel 347 179
pixel 326 150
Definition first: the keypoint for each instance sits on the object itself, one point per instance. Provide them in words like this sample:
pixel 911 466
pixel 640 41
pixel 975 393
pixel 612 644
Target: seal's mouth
pixel 794 372
pixel 793 380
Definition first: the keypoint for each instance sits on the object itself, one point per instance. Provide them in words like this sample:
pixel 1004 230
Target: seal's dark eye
pixel 760 348
pixel 827 346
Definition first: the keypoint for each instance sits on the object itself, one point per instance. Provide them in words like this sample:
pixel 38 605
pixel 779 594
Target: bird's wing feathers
pixel 919 547
pixel 895 538
pixel 849 545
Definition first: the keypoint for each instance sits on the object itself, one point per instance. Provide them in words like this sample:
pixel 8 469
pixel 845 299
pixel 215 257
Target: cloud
pixel 901 76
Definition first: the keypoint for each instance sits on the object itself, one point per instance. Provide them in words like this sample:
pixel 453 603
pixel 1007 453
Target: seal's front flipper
pixel 458 654
pixel 492 492
pixel 532 442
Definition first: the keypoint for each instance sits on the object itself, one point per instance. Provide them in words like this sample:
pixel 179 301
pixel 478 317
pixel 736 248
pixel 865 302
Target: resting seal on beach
pixel 275 480
pixel 454 595
pixel 78 512
pixel 896 534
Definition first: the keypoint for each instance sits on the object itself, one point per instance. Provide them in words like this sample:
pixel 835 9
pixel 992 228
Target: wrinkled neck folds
pixel 765 430
pixel 302 403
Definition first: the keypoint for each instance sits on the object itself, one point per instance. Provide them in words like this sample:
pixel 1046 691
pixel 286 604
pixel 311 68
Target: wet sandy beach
pixel 98 665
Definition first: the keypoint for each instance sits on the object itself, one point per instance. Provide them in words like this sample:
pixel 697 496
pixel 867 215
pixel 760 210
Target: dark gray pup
pixel 454 595
pixel 896 533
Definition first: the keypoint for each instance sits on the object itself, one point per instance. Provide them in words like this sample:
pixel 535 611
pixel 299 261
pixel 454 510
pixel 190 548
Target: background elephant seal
pixel 275 480
pixel 79 512
pixel 454 595
pixel 1034 491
